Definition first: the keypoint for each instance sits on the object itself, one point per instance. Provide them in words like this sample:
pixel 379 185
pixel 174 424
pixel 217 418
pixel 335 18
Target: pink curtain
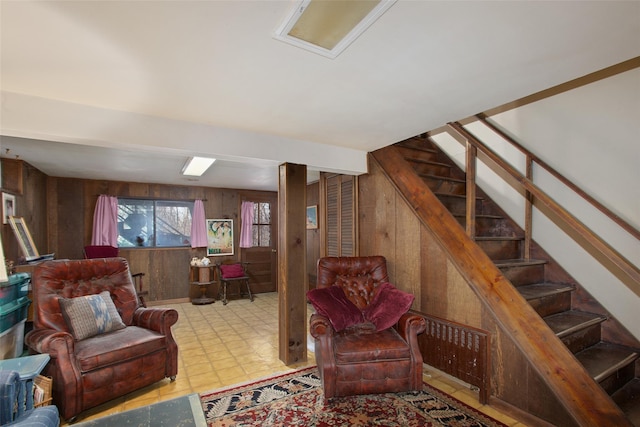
pixel 198 226
pixel 246 216
pixel 105 221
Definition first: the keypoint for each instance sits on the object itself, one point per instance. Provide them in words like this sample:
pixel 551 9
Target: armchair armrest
pixel 320 327
pixel 63 366
pixel 410 325
pixel 55 343
pixel 156 319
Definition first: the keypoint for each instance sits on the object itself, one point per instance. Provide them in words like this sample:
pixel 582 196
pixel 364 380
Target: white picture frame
pixel 23 236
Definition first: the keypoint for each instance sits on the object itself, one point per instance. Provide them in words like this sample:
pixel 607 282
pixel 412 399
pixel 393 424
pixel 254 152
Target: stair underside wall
pixel 417 264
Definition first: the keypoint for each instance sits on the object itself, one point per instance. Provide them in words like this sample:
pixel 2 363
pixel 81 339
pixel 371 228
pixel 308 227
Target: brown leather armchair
pixel 359 360
pixel 93 370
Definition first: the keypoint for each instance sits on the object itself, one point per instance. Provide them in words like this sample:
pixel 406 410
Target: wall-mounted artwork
pixel 312 217
pixel 219 237
pixel 8 207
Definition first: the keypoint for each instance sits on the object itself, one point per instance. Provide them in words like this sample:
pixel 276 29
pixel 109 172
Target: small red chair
pixel 233 272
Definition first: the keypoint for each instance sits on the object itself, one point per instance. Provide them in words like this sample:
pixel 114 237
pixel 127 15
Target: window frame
pixel 137 202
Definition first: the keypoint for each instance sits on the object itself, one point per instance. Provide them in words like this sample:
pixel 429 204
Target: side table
pixel 203 277
pixel 28 368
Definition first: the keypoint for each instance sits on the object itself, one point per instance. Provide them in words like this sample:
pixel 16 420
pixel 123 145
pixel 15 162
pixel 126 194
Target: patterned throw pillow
pixel 90 315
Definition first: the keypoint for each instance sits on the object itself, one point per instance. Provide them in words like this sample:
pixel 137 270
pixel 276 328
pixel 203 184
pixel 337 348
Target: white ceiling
pixel 128 90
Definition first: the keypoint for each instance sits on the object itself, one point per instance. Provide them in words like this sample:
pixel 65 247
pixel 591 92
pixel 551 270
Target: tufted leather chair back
pixel 358 276
pixel 74 278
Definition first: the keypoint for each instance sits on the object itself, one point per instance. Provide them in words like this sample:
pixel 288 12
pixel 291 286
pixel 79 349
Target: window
pixel 154 223
pixel 261 224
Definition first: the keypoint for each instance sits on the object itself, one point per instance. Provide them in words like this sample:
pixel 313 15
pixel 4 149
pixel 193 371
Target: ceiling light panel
pixel 196 166
pixel 329 27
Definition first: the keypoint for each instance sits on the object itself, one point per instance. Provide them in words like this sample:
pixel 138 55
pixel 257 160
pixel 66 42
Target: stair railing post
pixel 470 221
pixel 528 211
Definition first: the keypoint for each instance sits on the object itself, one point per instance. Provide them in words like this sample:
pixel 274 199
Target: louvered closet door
pixel 340 233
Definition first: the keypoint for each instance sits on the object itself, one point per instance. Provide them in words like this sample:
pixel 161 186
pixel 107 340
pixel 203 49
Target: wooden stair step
pixel 430 167
pixel 456 196
pixel 417 142
pixel 500 247
pixel 430 162
pixel 542 290
pixel 457 203
pixel 442 178
pixel 628 399
pixel 521 272
pixel 519 262
pixel 604 359
pixel 418 148
pixel 548 298
pixel 478 216
pixel 569 322
pixel 419 153
pixel 444 184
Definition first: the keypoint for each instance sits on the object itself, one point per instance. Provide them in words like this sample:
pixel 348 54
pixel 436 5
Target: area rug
pixel 296 399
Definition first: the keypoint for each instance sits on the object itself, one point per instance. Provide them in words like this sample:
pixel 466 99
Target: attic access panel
pixel 329 27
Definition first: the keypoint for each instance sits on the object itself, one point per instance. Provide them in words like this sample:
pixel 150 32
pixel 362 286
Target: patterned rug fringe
pixel 295 398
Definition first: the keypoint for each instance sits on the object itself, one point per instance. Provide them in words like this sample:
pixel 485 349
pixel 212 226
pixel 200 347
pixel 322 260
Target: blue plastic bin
pixel 16 287
pixel 13 312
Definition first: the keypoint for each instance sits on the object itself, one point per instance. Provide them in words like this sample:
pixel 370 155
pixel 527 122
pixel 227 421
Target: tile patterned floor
pixel 223 345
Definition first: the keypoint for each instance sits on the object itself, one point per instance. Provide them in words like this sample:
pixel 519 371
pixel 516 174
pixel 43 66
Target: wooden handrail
pixel 616 263
pixel 615 218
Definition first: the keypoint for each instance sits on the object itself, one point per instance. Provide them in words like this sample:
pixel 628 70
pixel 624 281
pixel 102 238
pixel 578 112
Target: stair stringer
pixel 583 399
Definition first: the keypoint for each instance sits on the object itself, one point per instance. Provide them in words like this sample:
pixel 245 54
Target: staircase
pixel 575 317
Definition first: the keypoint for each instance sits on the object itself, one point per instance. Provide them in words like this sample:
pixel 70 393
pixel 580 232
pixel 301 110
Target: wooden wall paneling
pixel 385 224
pixel 408 257
pixel 467 307
pixel 177 284
pixel 70 194
pixel 130 189
pixel 507 379
pixel 33 205
pixel 213 204
pixel 230 203
pixel 178 192
pixel 51 212
pixel 433 298
pixel 259 270
pixel 92 189
pixel 366 212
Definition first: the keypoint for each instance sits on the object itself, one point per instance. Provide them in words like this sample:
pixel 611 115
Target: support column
pixel 292 270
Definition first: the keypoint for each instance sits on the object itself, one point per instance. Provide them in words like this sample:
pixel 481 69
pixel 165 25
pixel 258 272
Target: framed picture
pixel 312 217
pixel 219 237
pixel 8 207
pixel 24 237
